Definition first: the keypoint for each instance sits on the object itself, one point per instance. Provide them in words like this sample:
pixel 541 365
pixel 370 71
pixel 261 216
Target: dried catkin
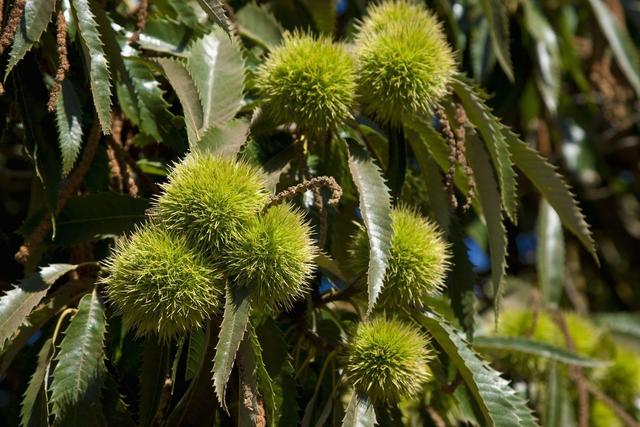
pixel 63 61
pixel 445 129
pixel 12 24
pixel 142 15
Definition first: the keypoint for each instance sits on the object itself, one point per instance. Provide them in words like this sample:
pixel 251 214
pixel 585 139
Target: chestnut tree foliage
pixel 300 212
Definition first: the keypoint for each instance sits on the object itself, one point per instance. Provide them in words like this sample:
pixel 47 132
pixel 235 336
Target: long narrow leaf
pixel 553 188
pixel 498 20
pixel 69 123
pixel 226 140
pixel 155 364
pixel 215 10
pixel 234 324
pixel 35 411
pixel 375 206
pixel 96 61
pixel 78 376
pixel 624 48
pixel 487 193
pixel 550 254
pixel 187 93
pixel 499 404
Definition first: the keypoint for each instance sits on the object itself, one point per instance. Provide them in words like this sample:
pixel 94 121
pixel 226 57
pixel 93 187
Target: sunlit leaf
pixel 77 377
pixel 624 48
pixel 216 67
pixel 550 254
pixel 69 121
pixel 226 140
pixel 187 93
pixel 375 207
pixel 536 348
pixel 258 24
pixel 234 324
pixel 498 402
pixel 16 304
pixel 215 10
pixel 487 193
pixel 36 17
pixel 96 61
pixel 360 412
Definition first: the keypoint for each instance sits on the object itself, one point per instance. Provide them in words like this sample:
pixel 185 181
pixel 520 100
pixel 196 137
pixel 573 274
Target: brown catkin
pixel 63 60
pixel 12 24
pixel 312 184
pixel 445 129
pixel 461 154
pixel 142 15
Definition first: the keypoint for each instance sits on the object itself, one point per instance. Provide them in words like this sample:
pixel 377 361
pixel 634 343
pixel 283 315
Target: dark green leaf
pixel 69 121
pixel 360 412
pixel 35 412
pixel 115 410
pixel 550 260
pixel 499 404
pixel 487 193
pixel 226 140
pixel 78 376
pixel 553 188
pixel 16 304
pixel 215 10
pixel 536 348
pixel 323 13
pixel 234 324
pixel 160 35
pixel 36 17
pixel 555 397
pixel 489 127
pixel 195 351
pixel 96 61
pixel 96 215
pixel 187 93
pixel 375 207
pixel 155 366
pixel 258 24
pixel 623 47
pixel 496 15
pixel 216 67
pixel 461 280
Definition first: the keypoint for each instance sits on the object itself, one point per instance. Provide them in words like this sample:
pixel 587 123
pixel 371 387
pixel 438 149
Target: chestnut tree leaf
pixel 375 207
pixel 232 329
pixel 96 61
pixel 360 412
pixel 35 411
pixel 17 303
pixel 78 375
pixel 34 21
pixel 499 404
pixel 69 124
pixel 216 66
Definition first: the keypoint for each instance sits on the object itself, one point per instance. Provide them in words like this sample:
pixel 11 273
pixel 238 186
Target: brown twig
pixel 142 15
pixel 63 61
pixel 575 373
pixel 612 404
pixel 437 419
pixel 312 184
pixel 76 177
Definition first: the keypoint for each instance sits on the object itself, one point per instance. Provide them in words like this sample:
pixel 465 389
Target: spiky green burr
pixel 388 360
pixel 308 80
pixel 160 284
pixel 273 256
pixel 404 63
pixel 418 263
pixel 209 198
